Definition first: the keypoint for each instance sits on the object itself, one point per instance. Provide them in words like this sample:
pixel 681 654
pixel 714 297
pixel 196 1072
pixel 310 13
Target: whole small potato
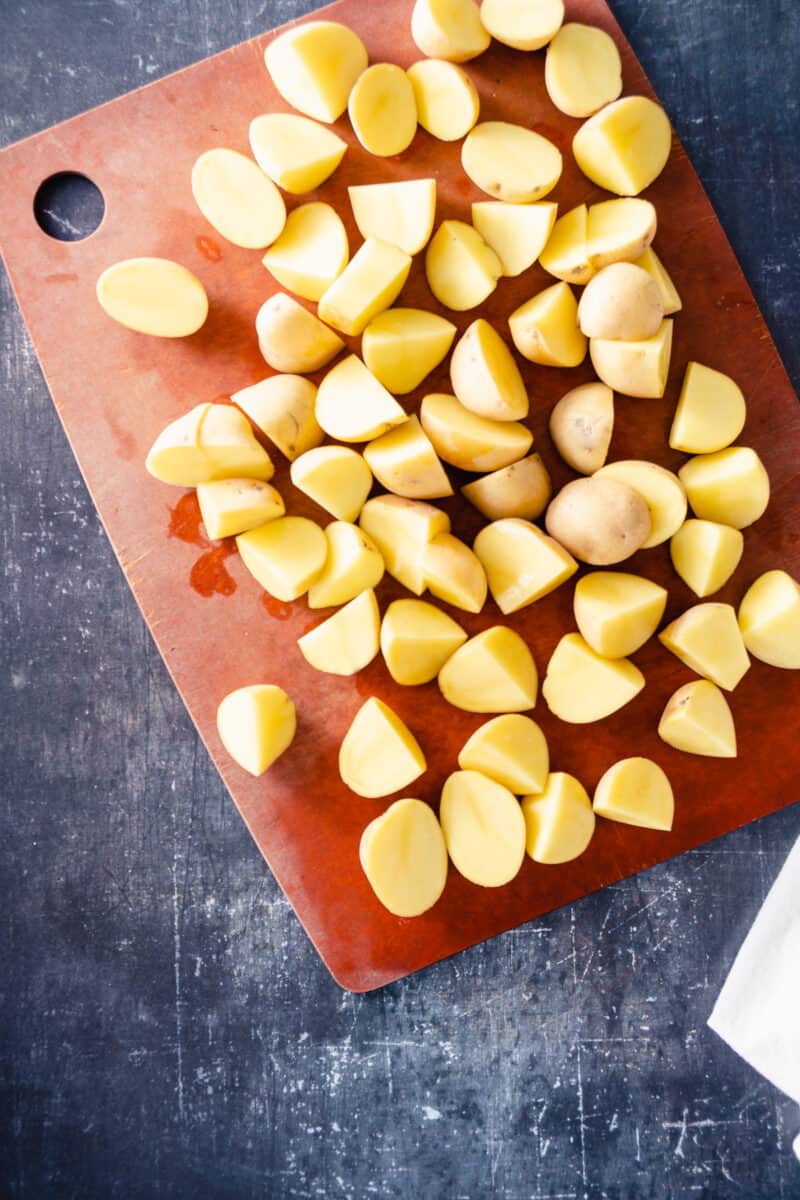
pixel 581 425
pixel 621 303
pixel 599 521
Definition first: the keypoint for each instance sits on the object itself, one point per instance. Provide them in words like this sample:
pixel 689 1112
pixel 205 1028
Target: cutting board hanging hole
pixel 68 206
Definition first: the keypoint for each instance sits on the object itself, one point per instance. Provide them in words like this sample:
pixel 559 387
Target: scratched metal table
pixel 167 1029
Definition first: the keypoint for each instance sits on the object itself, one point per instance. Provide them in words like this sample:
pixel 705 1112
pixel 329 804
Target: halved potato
pixel 620 230
pixel 638 368
pixel 353 565
pixel 566 252
pixel 516 232
pixel 711 412
pixel 461 269
pixel 383 111
pixel 769 618
pixel 416 641
pixel 708 640
pixel 405 462
pixel 468 441
pixel 449 29
pixel 520 490
pixel 311 252
pixel 521 23
pixel 545 328
pixel 581 686
pixel 352 406
pixel 401 529
pixel 698 720
pixel 600 521
pixel 256 724
pixel 622 302
pixel 403 345
pixel 617 613
pixel 379 754
pixel 635 791
pixel 237 198
pixel 453 573
pixel 400 213
pixel 493 672
pixel 371 281
pixel 154 296
pixel 335 477
pixel 282 407
pixel 705 555
pixel 511 162
pixel 231 506
pixel 347 641
pixel 522 563
pixel 484 375
pixel 285 556
pixel 624 147
pixel 511 750
pixel 314 66
pixel 651 263
pixel 447 100
pixel 212 441
pixel 581 425
pixel 663 493
pixel 583 70
pixel 404 857
pixel 560 822
pixel 731 486
pixel 291 339
pixel 298 154
pixel 483 827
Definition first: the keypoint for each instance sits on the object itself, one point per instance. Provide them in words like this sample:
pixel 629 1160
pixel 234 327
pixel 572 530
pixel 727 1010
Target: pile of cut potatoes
pixel 351 432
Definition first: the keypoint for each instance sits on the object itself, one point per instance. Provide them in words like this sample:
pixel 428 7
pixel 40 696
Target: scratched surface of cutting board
pixel 217 630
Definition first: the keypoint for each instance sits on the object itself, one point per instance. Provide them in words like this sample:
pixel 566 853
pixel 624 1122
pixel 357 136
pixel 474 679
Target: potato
pixel 521 490
pixel 404 857
pixel 600 521
pixel 619 231
pixel 621 303
pixel 484 375
pixel 237 198
pixel 635 791
pixel 255 725
pixel 449 29
pixel 401 529
pixel 493 672
pixel 731 486
pixel 663 493
pixel 298 154
pixel 453 573
pixel 583 70
pixel 617 613
pixel 698 720
pixel 708 640
pixel 581 686
pixel 581 425
pixel 231 506
pixel 566 252
pixel 468 441
pixel 416 641
pixel 400 213
pixel 212 441
pixel 545 328
pixel 651 263
pixel 405 462
pixel 769 618
pixel 511 162
pixel 403 345
pixel 711 412
pixel 638 369
pixel 371 281
pixel 483 827
pixel 311 253
pixel 314 66
pixel 705 555
pixel 285 556
pixel 282 407
pixel 624 147
pixel 353 564
pixel 522 564
pixel 379 754
pixel 352 406
pixel 516 232
pixel 511 750
pixel 462 271
pixel 153 296
pixel 448 104
pixel 522 24
pixel 383 111
pixel 560 822
pixel 347 641
pixel 291 339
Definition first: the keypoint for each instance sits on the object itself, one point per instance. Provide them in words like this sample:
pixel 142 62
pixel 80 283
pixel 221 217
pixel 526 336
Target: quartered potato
pixel 400 213
pixel 212 441
pixel 583 70
pixel 468 441
pixel 404 857
pixel 621 303
pixel 516 232
pixel 403 345
pixel 461 269
pixel 663 493
pixel 636 791
pixel 581 425
pixel 402 529
pixel 698 720
pixel 545 329
pixel 485 377
pixel 405 462
pixel 314 67
pixel 335 477
pixel 237 198
pixel 511 750
pixel 625 146
pixel 619 231
pixel 705 554
pixel 483 827
pixel 383 111
pixel 708 640
pixel 312 251
pixel 347 641
pixel 520 490
pixel 154 296
pixel 522 563
pixel 581 686
pixel 371 281
pixel 256 724
pixel 711 412
pixel 449 29
pixel 600 521
pixel 560 821
pixel 447 100
pixel 282 407
pixel 731 486
pixel 566 252
pixel 293 340
pixel 617 613
pixel 769 618
pixel 416 641
pixel 231 506
pixel 523 24
pixel 379 754
pixel 298 154
pixel 453 573
pixel 511 162
pixel 493 672
pixel 352 406
pixel 285 556
pixel 651 263
pixel 353 565
pixel 638 368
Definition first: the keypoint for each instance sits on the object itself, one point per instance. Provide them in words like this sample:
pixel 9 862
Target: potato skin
pixel 598 523
pixel 621 303
pixel 581 425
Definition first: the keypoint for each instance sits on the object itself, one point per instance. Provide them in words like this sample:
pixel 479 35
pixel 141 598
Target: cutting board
pixel 216 629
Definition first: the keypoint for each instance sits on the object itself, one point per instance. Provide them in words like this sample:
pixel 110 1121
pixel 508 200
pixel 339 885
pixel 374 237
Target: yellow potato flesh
pixel 347 641
pixel 581 686
pixel 282 407
pixel 405 462
pixel 416 641
pixel 291 339
pixel 698 720
pixel 705 555
pixel 663 493
pixel 353 565
pixel 371 281
pixel 449 29
pixel 447 100
pixel 483 827
pixel 583 70
pixel 635 791
pixel 651 263
pixel 731 486
pixel 581 425
pixel 212 441
pixel 237 198
pixel 400 213
pixel 511 750
pixel 462 271
pixel 516 232
pixel 622 302
pixel 522 563
pixel 624 147
pixel 285 556
pixel 453 574
pixel 617 613
pixel 403 345
pixel 711 412
pixel 335 477
pixel 523 24
pixel 566 252
pixel 511 162
pixel 379 754
pixel 311 253
pixel 468 441
pixel 298 154
pixel 383 111
pixel 769 618
pixel 485 377
pixel 401 529
pixel 545 329
pixel 315 65
pixel 404 857
pixel 231 506
pixel 708 640
pixel 637 369
pixel 619 231
pixel 256 724
pixel 560 822
pixel 352 406
pixel 493 672
pixel 521 490
pixel 154 296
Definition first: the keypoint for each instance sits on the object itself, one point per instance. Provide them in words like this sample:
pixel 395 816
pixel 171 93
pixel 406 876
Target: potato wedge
pixel 769 618
pixel 448 104
pixel 510 162
pixel 705 555
pixel 621 303
pixel 600 521
pixel 663 493
pixel 416 641
pixel 231 506
pixel 617 613
pixel 560 822
pixel 485 377
pixel 483 827
pixel 522 563
pixel 237 198
pixel 405 462
pixel 583 70
pixel 371 281
pixel 314 67
pixel 520 490
pixel 212 441
pixel 291 339
pixel 493 672
pixel 581 686
pixel 404 857
pixel 461 269
pixel 711 412
pixel 731 486
pixel 256 724
pixel 401 529
pixel 453 573
pixel 352 406
pixel 624 147
pixel 511 750
pixel 285 556
pixel 566 252
pixel 698 720
pixel 708 640
pixel 449 29
pixel 619 231
pixel 581 425
pixel 297 153
pixel 282 407
pixel 348 641
pixel 383 111
pixel 522 24
pixel 651 263
pixel 639 368
pixel 400 213
pixel 353 565
pixel 403 345
pixel 379 754
pixel 468 441
pixel 636 791
pixel 545 328
pixel 312 251
pixel 336 478
pixel 154 296
pixel 516 232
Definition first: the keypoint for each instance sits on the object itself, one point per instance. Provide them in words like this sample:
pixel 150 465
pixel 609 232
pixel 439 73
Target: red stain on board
pixel 185 521
pixel 209 576
pixel 278 609
pixel 208 248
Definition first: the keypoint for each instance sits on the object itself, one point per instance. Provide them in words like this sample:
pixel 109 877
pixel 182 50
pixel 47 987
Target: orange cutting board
pixel 114 390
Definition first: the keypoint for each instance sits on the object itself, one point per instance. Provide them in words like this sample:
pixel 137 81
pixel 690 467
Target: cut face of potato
pixel 231 506
pixel 405 462
pixel 291 339
pixel 731 486
pixel 651 263
pixel 511 162
pixel 511 750
pixel 468 441
pixel 416 641
pixel 521 490
pixel 698 720
pixel 521 24
pixel 617 613
pixel 769 618
pixel 371 281
pixel 311 252
pixel 237 198
pixel 708 640
pixel 622 303
pixel 447 100
pixel 581 425
pixel 298 154
pixel 636 791
pixel 449 29
pixel 256 724
pixel 516 232
pixel 581 686
pixel 663 493
pixel 620 231
pixel 705 555
pixel 285 556
pixel 353 565
pixel 401 529
pixel 404 857
pixel 522 564
pixel 212 441
pixel 485 377
pixel 483 827
pixel 566 253
pixel 352 406
pixel 314 67
pixel 624 147
pixel 638 369
pixel 583 70
pixel 383 111
pixel 560 822
pixel 545 328
pixel 282 407
pixel 153 296
pixel 379 754
pixel 453 573
pixel 347 641
pixel 711 412
pixel 493 672
pixel 462 271
pixel 600 521
pixel 400 213
pixel 403 345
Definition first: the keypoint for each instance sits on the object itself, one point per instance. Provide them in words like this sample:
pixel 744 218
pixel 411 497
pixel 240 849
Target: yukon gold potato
pixel 401 529
pixel 637 368
pixel 352 406
pixel 581 425
pixel 212 441
pixel 521 490
pixel 769 618
pixel 705 555
pixel 566 252
pixel 560 822
pixel 621 303
pixel 616 613
pixel 483 827
pixel 619 231
pixel 154 296
pixel 511 750
pixel 583 70
pixel 371 281
pixel 493 672
pixel 298 154
pixel 516 232
pixel 449 29
pixel 698 720
pixel 282 407
pixel 291 339
pixel 404 857
pixel 403 345
pixel 315 65
pixel 468 441
pixel 711 412
pixel 353 565
pixel 523 24
pixel 256 724
pixel 600 521
pixel 231 506
pixel 484 375
pixel 461 269
pixel 285 556
pixel 383 111
pixel 581 686
pixel 731 486
pixel 624 147
pixel 405 462
pixel 635 791
pixel 545 328
pixel 416 641
pixel 511 162
pixel 379 754
pixel 662 492
pixel 651 263
pixel 453 573
pixel 522 563
pixel 237 198
pixel 708 640
pixel 347 641
pixel 311 252
pixel 400 213
pixel 448 104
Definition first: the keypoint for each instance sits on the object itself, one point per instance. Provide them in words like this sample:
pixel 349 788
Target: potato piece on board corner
pixel 600 521
pixel 638 369
pixel 769 618
pixel 545 329
pixel 347 641
pixel 581 686
pixel 371 281
pixel 291 339
pixel 379 754
pixel 583 70
pixel 581 425
pixel 661 490
pixel 711 412
pixel 256 724
pixel 311 253
pixel 731 486
pixel 651 263
pixel 708 640
pixel 461 269
pixel 705 554
pixel 401 212
pixel 493 672
pixel 403 345
pixel 353 565
pixel 383 111
pixel 625 146
pixel 285 556
pixel 621 303
pixel 698 720
pixel 212 441
pixel 484 375
pixel 405 462
pixel 416 641
pixel 617 613
pixel 314 67
pixel 282 407
pixel 154 296
pixel 448 104
pixel 636 791
pixel 522 489
pixel 237 198
pixel 620 230
pixel 522 563
pixel 295 152
pixel 231 506
pixel 560 822
pixel 352 406
pixel 522 25
pixel 511 162
pixel 336 478
pixel 466 440
pixel 449 29
pixel 511 750
pixel 404 857
pixel 566 252
pixel 401 529
pixel 453 573
pixel 483 827
pixel 516 232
